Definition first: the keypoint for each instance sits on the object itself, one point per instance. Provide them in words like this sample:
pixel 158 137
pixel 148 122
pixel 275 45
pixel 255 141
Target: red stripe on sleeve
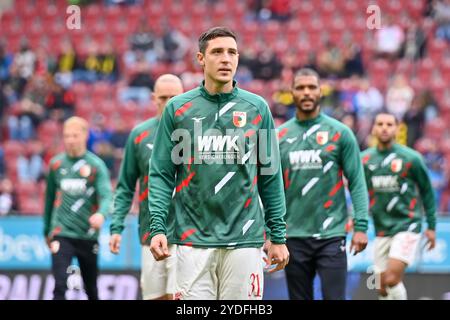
pixel 141 137
pixel 257 120
pixel 183 109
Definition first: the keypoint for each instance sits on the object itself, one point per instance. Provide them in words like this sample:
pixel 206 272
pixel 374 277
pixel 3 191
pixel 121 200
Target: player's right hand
pixel 159 247
pixel 114 243
pixel 278 255
pixel 431 239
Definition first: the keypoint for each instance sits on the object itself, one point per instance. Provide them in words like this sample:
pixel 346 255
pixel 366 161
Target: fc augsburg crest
pixel 322 137
pixel 239 118
pixel 396 165
pixel 85 171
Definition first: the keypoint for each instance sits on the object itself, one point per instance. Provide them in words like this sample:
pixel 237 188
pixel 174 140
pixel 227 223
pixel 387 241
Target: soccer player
pixel 78 197
pixel 219 223
pixel 157 277
pixel 316 153
pixel 396 175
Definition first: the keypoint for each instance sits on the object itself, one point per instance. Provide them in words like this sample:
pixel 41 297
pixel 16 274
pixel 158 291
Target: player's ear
pixel 201 59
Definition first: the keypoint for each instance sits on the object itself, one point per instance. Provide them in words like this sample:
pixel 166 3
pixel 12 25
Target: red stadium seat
pixel 435 129
pixel 49 129
pixel 425 69
pixel 13 148
pixel 436 49
pixel 29 206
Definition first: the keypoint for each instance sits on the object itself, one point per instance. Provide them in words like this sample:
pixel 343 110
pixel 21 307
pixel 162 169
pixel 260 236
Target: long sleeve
pixel 126 187
pixel 103 189
pixel 50 195
pixel 420 172
pixel 270 184
pixel 162 174
pixel 354 172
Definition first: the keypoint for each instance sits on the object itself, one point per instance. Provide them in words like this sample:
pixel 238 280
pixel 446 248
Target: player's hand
pixel 266 246
pixel 159 248
pixel 359 242
pixel 96 221
pixel 114 243
pixel 278 254
pixel 431 239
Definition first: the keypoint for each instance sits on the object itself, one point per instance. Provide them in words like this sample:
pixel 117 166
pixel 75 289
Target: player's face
pixel 75 139
pixel 220 60
pixel 165 91
pixel 306 93
pixel 385 128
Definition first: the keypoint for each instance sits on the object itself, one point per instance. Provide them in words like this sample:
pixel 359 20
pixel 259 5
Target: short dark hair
pixel 213 33
pixel 384 111
pixel 306 72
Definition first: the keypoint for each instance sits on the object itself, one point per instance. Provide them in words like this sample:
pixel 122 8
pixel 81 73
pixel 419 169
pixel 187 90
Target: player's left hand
pixel 359 242
pixel 96 220
pixel 431 236
pixel 279 255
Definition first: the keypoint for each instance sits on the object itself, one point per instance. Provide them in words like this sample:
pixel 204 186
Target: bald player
pixel 78 197
pixel 157 278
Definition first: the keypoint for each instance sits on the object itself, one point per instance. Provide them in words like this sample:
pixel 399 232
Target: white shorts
pixel 402 246
pixel 219 274
pixel 157 277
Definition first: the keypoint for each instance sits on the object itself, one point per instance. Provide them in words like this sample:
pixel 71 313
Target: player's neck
pixel 216 87
pixel 385 146
pixel 77 154
pixel 303 116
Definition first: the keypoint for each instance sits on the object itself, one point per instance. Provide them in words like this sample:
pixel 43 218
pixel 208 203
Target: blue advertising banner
pixel 22 247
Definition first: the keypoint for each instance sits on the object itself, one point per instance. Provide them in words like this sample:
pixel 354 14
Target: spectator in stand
pixel 389 40
pixel 22 68
pixel 415 42
pixel 22 126
pixel 6 60
pixel 330 62
pixel 143 40
pixel 98 132
pixel 441 14
pixel 89 66
pixel 8 199
pixel 66 64
pixel 109 63
pixel 414 118
pixel 175 45
pixel 267 65
pixel 60 103
pixel 353 63
pixel 280 9
pixel 30 166
pixel 367 102
pixel 283 106
pixel 140 83
pixel 399 96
